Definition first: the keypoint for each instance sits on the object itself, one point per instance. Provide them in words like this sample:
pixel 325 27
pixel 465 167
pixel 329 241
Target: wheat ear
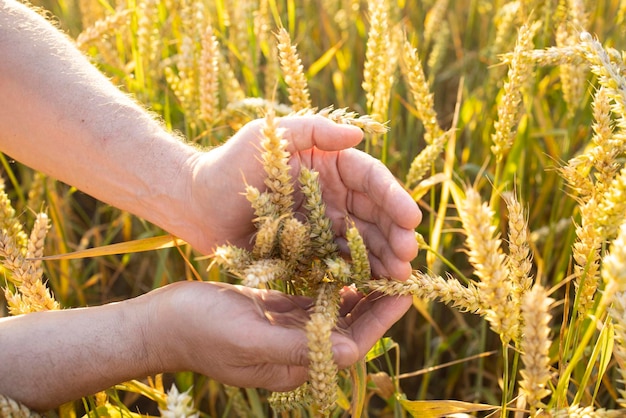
pixel 293 72
pixel 535 346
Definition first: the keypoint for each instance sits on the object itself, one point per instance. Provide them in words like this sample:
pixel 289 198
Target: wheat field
pixel 503 119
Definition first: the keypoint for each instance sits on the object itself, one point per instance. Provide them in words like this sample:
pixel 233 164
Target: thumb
pixel 306 132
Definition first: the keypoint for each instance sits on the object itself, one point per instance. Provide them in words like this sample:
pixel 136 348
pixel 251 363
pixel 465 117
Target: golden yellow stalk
pixel 8 221
pixel 519 259
pixel 614 276
pixel 285 401
pixel 505 20
pixel 602 157
pixel 365 122
pixel 607 146
pixel 233 91
pixel 11 409
pixel 360 267
pixel 434 19
pixel 37 191
pixel 424 160
pixel 238 402
pixel 420 90
pixel 209 77
pixel 148 39
pixel 241 14
pixel 586 253
pixel 485 255
pixel 607 64
pixel 551 56
pixel 30 294
pixel 449 291
pixel 102 27
pixel 509 106
pixel 293 72
pixel 577 411
pixel 438 52
pixel 322 236
pixel 263 271
pixel 233 258
pixel 276 164
pixel 261 202
pixel 293 240
pixel 377 68
pixel 339 269
pixel 271 70
pixel 266 237
pixel 535 346
pixel 322 368
pixel 35 248
pixel 91 11
pixel 612 206
pixel 184 82
pixel 573 77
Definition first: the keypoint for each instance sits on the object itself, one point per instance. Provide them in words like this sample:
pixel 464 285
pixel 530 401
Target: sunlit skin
pixel 55 104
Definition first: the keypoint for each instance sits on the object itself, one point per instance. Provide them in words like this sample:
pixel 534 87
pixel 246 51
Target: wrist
pixel 162 323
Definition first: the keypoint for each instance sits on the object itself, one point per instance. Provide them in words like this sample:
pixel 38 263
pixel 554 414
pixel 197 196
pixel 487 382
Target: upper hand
pixel 353 184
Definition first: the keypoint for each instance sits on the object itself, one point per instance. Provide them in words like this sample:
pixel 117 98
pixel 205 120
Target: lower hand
pixel 255 338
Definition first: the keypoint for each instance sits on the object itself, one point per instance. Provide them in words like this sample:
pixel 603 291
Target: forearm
pixel 48 358
pixel 60 115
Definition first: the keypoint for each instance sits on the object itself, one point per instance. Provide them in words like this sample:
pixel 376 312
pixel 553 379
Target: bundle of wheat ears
pixel 299 256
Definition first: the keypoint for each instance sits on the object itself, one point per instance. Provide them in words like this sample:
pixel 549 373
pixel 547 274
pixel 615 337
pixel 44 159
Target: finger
pixel 373 316
pixel 364 174
pixel 305 132
pixel 383 251
pixel 279 378
pixel 283 303
pixel 350 296
pixel 401 240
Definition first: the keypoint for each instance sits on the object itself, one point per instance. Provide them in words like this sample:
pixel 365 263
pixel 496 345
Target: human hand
pixel 248 337
pixel 353 184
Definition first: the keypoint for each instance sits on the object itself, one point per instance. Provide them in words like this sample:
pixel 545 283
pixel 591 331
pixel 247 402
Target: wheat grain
pixel 321 234
pixel 505 20
pixel 276 164
pixel 263 271
pixel 11 409
pixel 266 237
pixel 378 69
pixel 285 401
pixel 360 266
pixel 433 20
pixel 519 257
pixel 420 91
pixel 485 255
pixel 209 77
pixel 509 106
pixel 424 160
pixel 178 405
pixel 424 286
pixel 293 72
pixel 535 346
pixel 614 276
pixel 572 76
pixel 322 367
pixel 365 122
pixel 438 53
